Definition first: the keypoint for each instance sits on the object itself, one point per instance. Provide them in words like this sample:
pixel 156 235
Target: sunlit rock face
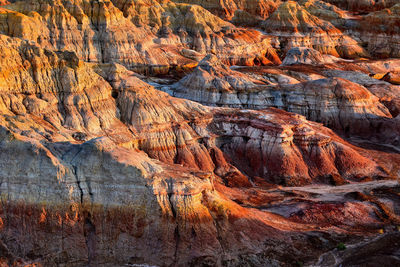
pixel 198 133
pixel 95 141
pixel 363 5
pixel 383 41
pixel 72 101
pixel 233 9
pixel 137 34
pixel 295 26
pixel 375 27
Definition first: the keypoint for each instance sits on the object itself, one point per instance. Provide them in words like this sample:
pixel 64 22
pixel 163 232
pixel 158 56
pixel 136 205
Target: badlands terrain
pixel 199 133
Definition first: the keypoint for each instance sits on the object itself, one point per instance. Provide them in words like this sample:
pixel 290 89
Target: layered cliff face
pixel 338 103
pixel 363 5
pixel 160 36
pixel 384 40
pixel 136 34
pixel 234 9
pixel 295 26
pixel 73 99
pixel 376 28
pixel 167 35
pixel 98 166
pixel 83 142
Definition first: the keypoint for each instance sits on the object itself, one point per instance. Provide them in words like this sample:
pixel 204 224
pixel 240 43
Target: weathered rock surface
pixel 380 250
pixel 363 5
pixel 325 11
pixel 82 106
pixel 295 26
pixel 304 55
pixel 155 36
pixel 230 9
pixel 99 168
pixel 137 34
pixel 336 102
pixel 383 41
pixel 105 169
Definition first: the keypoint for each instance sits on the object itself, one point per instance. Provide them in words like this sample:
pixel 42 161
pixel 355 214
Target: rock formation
pixel 304 55
pixel 123 33
pixel 73 97
pixel 363 5
pixel 108 143
pixel 295 26
pixel 325 11
pixel 267 163
pixel 384 40
pixel 232 8
pixel 336 102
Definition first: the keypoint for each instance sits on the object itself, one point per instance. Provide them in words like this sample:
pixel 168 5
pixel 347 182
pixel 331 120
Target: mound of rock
pixel 363 5
pixel 227 9
pixel 325 11
pixel 305 55
pixel 296 27
pixel 336 102
pixel 383 41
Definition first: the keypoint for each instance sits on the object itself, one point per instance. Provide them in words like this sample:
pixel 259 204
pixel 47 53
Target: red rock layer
pixel 336 102
pixel 99 168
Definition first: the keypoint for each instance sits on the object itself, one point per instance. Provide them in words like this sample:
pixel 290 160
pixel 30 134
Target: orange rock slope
pixel 231 9
pixel 139 35
pixel 100 166
pixel 95 141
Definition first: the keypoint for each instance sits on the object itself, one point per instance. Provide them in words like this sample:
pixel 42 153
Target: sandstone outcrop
pixel 387 93
pixel 324 10
pixel 82 106
pixel 154 36
pixel 377 32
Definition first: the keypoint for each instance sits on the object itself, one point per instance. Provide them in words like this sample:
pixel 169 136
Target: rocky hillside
pixel 330 96
pixel 198 133
pixel 143 35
